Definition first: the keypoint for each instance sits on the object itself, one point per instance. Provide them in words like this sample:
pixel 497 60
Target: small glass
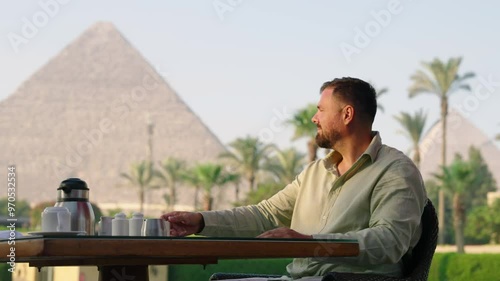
pixel 155 227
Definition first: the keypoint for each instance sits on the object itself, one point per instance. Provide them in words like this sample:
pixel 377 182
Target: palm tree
pixel 141 176
pixel 209 176
pixel 170 173
pixel 286 164
pixel 191 178
pixel 413 127
pixel 237 182
pixel 248 155
pixel 381 92
pixel 304 127
pixel 458 178
pixel 441 80
pixel 497 137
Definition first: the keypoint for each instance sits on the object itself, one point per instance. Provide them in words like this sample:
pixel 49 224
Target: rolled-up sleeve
pixel 250 221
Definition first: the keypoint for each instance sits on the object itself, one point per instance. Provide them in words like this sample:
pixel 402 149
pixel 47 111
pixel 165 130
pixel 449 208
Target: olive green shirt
pixel 378 201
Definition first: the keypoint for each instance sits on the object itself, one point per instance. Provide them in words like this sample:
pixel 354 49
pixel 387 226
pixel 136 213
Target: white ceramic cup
pixel 56 219
pixel 119 225
pixel 135 224
pixel 105 226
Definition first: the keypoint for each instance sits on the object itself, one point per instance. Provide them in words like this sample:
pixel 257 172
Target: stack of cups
pixel 56 219
pixel 119 225
pixel 104 226
pixel 135 224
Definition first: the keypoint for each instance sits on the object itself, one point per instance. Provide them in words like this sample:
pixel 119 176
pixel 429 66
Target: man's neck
pixel 351 149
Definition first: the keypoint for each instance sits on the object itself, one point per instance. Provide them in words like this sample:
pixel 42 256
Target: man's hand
pixel 184 223
pixel 284 232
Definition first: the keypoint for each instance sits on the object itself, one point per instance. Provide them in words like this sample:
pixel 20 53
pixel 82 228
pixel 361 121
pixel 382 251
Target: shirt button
pixel 324 217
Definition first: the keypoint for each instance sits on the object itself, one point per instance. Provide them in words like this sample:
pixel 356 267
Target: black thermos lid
pixel 72 184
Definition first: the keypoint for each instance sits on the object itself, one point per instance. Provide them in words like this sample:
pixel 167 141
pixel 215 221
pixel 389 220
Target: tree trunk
pixel 251 180
pixel 312 149
pixel 441 210
pixel 416 155
pixel 237 192
pixel 458 222
pixel 196 195
pixel 141 199
pixel 207 201
pixel 173 196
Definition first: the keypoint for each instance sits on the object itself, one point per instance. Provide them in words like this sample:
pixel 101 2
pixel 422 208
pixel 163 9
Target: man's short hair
pixel 356 92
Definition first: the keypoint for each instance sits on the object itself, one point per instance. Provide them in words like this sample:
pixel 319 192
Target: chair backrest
pixel 418 266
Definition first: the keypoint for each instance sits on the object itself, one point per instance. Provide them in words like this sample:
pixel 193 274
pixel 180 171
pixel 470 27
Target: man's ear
pixel 348 114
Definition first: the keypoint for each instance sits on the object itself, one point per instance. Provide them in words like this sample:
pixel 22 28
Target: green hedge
pixel 196 272
pixel 465 267
pixel 5 275
pixel 449 266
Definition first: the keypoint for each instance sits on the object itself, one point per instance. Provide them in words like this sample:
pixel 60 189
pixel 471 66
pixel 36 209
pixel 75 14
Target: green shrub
pixel 197 273
pixel 465 267
pixel 445 267
pixel 5 275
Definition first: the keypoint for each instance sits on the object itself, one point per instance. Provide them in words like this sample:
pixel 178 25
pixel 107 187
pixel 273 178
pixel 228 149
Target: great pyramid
pixel 461 134
pixel 84 114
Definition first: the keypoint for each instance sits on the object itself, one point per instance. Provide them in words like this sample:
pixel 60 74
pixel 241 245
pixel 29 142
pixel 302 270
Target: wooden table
pixel 127 258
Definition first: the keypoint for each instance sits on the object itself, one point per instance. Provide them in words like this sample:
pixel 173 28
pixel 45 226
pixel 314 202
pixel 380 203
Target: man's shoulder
pixel 316 167
pixel 391 154
pixel 389 157
pixel 396 162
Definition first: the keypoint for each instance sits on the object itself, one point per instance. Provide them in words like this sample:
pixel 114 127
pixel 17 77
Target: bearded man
pixel 362 190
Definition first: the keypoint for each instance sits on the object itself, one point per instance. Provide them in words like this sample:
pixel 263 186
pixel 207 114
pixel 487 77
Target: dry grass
pixel 470 249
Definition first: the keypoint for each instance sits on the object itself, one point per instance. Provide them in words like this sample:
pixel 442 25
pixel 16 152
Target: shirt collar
pixel 333 158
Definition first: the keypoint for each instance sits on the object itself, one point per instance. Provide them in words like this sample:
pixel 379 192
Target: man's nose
pixel 314 119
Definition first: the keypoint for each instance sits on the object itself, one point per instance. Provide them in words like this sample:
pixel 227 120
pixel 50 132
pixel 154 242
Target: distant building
pixel 461 135
pixel 86 114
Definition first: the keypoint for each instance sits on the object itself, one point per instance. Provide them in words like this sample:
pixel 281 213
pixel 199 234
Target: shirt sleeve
pixel 250 221
pixel 397 205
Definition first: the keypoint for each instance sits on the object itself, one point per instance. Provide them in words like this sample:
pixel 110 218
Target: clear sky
pixel 241 65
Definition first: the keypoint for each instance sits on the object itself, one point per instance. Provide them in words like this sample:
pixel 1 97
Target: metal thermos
pixel 73 194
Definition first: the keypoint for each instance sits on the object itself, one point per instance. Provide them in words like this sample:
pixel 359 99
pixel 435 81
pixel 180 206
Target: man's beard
pixel 327 140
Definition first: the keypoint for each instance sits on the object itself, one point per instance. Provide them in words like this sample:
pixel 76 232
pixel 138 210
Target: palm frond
pixel 248 155
pixel 443 79
pixel 422 83
pixel 379 93
pixel 412 125
pixel 302 122
pixel 286 164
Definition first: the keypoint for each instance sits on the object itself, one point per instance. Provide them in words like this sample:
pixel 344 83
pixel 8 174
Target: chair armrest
pixel 225 276
pixel 344 276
